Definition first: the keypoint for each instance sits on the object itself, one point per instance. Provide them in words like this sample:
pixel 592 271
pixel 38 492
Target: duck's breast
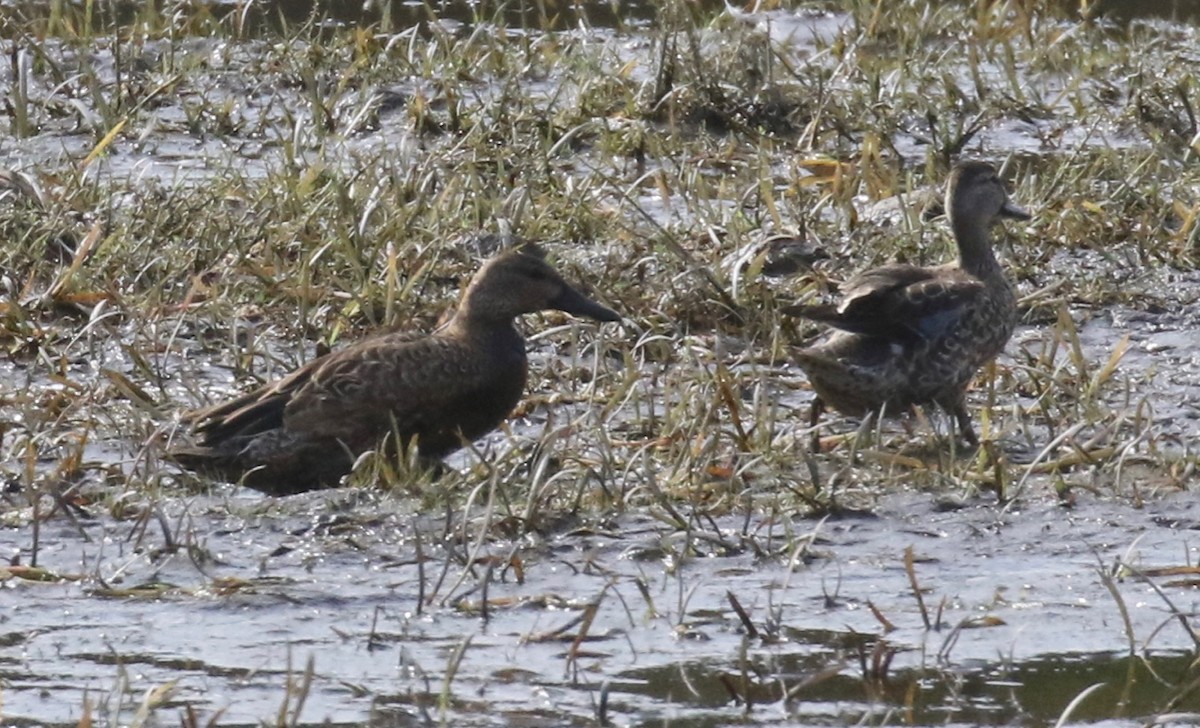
pixel 490 379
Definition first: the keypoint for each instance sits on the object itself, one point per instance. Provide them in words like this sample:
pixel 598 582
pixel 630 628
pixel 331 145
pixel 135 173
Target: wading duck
pixel 304 431
pixel 907 335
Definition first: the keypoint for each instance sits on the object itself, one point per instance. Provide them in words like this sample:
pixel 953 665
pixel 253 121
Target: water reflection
pixel 1031 692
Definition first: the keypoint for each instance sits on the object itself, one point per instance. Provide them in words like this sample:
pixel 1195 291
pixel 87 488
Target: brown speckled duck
pixel 303 432
pixel 907 335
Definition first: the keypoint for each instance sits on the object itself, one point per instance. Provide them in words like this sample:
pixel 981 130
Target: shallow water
pixel 1023 618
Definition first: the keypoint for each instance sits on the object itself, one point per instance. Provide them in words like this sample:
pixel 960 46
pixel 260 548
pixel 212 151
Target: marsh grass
pixel 554 137
pixel 332 182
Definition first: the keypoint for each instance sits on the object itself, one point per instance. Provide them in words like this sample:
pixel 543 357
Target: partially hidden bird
pixel 441 390
pixel 906 335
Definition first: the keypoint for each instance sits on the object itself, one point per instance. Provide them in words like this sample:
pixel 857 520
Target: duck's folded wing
pixel 254 412
pixel 263 409
pixel 873 287
pixel 901 302
pixel 932 309
pixel 379 385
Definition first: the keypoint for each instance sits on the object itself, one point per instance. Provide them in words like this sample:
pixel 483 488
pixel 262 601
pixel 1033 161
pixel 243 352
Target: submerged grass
pixel 230 205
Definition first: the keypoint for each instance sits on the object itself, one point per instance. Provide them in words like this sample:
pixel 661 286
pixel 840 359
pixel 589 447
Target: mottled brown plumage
pixel 304 431
pixel 907 335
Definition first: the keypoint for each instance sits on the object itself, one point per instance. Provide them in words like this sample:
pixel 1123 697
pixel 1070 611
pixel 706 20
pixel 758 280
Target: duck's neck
pixel 484 327
pixel 975 254
pixel 473 311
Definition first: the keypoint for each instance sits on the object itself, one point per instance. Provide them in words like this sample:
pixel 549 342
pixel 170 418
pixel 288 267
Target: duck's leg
pixel 963 420
pixel 814 418
pixel 906 420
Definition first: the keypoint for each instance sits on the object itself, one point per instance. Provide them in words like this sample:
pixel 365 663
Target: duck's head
pixel 520 281
pixel 976 196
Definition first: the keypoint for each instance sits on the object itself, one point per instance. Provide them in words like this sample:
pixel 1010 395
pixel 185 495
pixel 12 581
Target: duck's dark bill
pixel 1017 213
pixel 574 302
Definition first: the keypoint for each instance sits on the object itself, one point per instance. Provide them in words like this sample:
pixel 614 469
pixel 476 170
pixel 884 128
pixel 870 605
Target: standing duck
pixel 304 431
pixel 907 335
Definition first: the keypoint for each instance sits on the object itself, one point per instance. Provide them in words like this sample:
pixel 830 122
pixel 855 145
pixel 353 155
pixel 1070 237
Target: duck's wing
pixel 263 409
pixel 901 302
pixel 398 382
pixel 252 413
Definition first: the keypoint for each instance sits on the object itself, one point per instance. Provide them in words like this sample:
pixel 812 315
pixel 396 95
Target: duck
pixel 440 390
pixel 905 335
